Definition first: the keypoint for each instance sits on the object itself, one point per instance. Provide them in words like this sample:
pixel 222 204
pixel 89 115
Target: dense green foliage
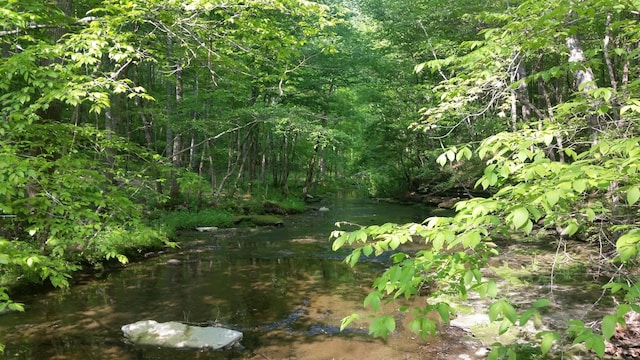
pixel 544 98
pixel 113 112
pixel 114 109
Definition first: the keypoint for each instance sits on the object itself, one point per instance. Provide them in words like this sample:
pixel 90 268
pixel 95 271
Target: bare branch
pixel 219 135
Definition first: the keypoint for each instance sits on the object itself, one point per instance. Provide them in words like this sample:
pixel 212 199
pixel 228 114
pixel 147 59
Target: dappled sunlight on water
pixel 282 287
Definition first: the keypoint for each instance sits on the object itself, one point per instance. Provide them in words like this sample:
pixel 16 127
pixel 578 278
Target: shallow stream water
pixel 282 287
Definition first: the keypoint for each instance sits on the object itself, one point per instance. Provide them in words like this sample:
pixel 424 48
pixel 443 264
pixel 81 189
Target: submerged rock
pixel 178 335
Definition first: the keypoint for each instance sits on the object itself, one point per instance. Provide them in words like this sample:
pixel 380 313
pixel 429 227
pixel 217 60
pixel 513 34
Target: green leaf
pixel 633 194
pixel 31 260
pixel 359 236
pixel 627 245
pixel 597 344
pixel 382 326
pixel 352 259
pixel 470 239
pixel 540 303
pixel 482 152
pixel 502 307
pixel 519 217
pixel 548 139
pixel 525 316
pixel 552 197
pixel 579 185
pixel 548 338
pixel 438 242
pixel 422 326
pixel 505 325
pixel 495 310
pixel 591 215
pixel 337 243
pixel 570 229
pixel 373 300
pixel 510 312
pixel 444 310
pixel 451 155
pixel 494 354
pixel 348 320
pixel 16 307
pixel 609 326
pixel 492 288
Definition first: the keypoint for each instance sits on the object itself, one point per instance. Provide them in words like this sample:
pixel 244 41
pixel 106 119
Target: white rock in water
pixel 206 228
pixel 324 208
pixel 178 335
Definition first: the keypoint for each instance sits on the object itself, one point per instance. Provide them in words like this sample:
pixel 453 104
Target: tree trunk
pixel 310 169
pixel 286 159
pixel 583 78
pixel 212 169
pixel 615 106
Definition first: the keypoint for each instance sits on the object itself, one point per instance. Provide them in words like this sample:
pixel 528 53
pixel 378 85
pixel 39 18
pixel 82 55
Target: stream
pixel 282 287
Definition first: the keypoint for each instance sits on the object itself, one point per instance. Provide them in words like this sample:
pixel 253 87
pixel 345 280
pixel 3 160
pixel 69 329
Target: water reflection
pixel 277 285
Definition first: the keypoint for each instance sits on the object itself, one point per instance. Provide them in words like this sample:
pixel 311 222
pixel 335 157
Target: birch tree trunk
pixel 583 79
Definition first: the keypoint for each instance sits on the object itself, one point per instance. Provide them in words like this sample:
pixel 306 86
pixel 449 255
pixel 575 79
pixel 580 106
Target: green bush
pixel 187 220
pixel 121 243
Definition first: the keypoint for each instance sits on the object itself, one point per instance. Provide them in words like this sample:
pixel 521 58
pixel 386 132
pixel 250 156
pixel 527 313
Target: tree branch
pixel 217 136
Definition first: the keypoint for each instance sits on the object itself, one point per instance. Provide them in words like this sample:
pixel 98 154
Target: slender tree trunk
pixel 263 157
pixel 212 169
pixel 286 156
pixel 193 157
pixel 617 119
pixel 583 78
pixel 310 169
pixel 559 139
pixel 176 154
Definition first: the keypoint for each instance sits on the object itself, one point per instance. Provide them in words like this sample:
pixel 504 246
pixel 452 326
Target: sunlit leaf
pixel 633 194
pixel 492 288
pixel 337 243
pixel 525 316
pixel 552 197
pixel 570 229
pixel 519 217
pixel 540 303
pixel 510 312
pixel 348 320
pixel 596 343
pixel 627 244
pixel 591 215
pixel 382 326
pixel 548 338
pixel 609 323
pixel 505 325
pixel 373 300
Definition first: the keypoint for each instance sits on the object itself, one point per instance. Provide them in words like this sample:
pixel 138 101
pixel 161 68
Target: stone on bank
pixel 178 335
